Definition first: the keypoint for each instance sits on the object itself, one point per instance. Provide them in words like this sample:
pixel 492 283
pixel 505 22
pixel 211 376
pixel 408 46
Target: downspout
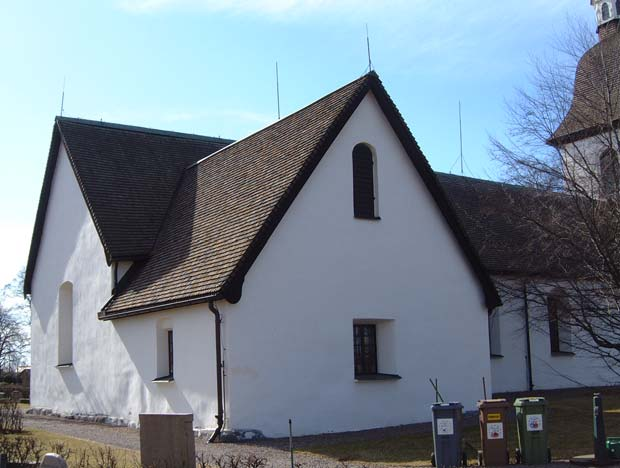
pixel 526 310
pixel 218 357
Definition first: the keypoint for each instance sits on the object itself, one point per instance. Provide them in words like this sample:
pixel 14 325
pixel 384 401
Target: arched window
pixel 610 172
pixel 65 324
pixel 364 182
pixel 605 11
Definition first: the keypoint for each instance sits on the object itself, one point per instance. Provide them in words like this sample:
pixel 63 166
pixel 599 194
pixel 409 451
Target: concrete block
pixel 52 460
pixel 167 440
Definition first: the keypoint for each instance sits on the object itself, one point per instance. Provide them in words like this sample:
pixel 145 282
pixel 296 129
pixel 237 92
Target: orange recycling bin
pixel 493 433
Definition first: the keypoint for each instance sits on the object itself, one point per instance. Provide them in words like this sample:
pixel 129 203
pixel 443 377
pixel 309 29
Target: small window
pixel 365 347
pixel 494 334
pixel 165 353
pixel 560 334
pixel 170 354
pixel 605 11
pixel 610 173
pixel 364 182
pixel 65 325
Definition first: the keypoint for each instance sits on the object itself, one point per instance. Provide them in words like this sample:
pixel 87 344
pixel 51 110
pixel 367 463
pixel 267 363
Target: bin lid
pixel 451 405
pixel 530 401
pixel 496 403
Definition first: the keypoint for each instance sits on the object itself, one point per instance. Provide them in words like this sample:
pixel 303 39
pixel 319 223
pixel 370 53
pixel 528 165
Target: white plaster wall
pixel 510 371
pixel 549 371
pixel 113 363
pixel 289 341
pixel 562 371
pixel 582 159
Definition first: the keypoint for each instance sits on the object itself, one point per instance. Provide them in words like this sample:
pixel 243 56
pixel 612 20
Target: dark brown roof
pixel 227 206
pixel 500 220
pixel 127 176
pixel 596 96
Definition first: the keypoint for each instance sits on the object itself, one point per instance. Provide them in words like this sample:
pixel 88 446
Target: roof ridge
pixel 138 129
pixel 487 181
pixel 371 74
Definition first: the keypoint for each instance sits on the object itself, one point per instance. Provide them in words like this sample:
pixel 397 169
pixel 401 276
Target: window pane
pixel 365 348
pixel 170 354
pixel 605 11
pixel 363 182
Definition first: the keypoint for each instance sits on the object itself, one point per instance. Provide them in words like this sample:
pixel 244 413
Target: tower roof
pixel 596 97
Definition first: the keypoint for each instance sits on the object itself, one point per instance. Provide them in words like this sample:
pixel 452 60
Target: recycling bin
pixel 447 435
pixel 493 436
pixel 532 431
pixel 613 447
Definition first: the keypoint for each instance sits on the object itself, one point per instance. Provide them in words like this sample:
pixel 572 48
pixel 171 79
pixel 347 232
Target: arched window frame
pixel 365 200
pixel 605 11
pixel 609 172
pixel 65 324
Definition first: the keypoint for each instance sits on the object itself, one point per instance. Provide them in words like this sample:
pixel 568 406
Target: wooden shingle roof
pixel 228 205
pixel 127 176
pixel 596 96
pixel 215 221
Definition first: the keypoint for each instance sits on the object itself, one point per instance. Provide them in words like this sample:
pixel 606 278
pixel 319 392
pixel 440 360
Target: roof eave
pixel 103 315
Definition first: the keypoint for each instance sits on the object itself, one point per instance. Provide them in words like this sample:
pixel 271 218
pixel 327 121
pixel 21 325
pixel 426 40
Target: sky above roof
pixel 208 67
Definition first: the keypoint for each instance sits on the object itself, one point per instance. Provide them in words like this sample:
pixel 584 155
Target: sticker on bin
pixel 495 431
pixel 494 417
pixel 534 422
pixel 445 427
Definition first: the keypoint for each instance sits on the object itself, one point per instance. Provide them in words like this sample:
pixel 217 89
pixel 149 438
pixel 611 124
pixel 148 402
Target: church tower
pixel 607 16
pixel 588 137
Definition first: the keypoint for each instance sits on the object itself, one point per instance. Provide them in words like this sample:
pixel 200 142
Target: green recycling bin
pixel 532 431
pixel 613 447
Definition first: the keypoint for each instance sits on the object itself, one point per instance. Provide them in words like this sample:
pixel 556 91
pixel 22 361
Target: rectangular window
pixel 365 348
pixel 560 334
pixel 170 354
pixel 165 353
pixel 494 334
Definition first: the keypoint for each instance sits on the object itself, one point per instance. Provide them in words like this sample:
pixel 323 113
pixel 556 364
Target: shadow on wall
pixel 138 336
pixel 71 380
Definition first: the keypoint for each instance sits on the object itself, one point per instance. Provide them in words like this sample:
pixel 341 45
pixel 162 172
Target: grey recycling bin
pixel 447 434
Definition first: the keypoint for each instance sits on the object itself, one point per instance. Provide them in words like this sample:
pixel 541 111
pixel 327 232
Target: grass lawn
pixel 77 446
pixel 569 423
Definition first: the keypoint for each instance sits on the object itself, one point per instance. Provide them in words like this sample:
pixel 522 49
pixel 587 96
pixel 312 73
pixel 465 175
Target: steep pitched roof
pixel 596 96
pixel 127 176
pixel 227 206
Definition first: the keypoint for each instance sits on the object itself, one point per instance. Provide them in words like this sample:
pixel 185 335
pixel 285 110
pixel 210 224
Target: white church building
pixel 317 270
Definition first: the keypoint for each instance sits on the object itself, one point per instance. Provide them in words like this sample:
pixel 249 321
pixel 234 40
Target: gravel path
pixel 274 450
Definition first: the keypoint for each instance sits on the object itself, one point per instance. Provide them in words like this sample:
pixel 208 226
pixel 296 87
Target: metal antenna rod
pixel 278 88
pixel 62 100
pixel 368 48
pixel 461 135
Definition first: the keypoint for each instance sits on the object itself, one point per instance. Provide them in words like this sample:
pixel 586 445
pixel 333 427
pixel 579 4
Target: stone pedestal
pixel 167 440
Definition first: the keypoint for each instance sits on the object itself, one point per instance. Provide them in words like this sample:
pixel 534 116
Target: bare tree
pixel 14 322
pixel 562 145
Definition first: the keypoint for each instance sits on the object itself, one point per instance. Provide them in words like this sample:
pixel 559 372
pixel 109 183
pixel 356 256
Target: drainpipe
pixel 526 310
pixel 219 366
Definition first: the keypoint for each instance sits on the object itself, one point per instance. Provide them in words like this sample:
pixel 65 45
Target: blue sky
pixel 207 67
